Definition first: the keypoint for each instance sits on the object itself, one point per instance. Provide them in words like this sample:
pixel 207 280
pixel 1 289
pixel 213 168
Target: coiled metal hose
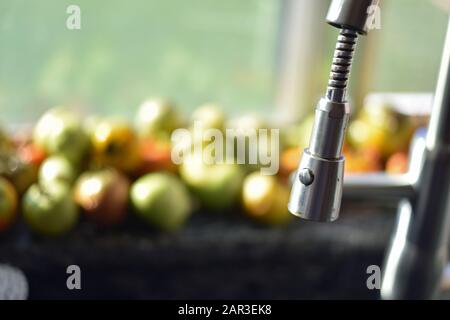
pixel 340 68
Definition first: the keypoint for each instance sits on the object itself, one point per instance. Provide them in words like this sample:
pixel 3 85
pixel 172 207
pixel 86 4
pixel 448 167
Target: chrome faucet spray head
pixel 317 188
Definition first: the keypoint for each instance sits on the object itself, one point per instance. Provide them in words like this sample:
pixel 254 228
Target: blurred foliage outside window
pixel 411 43
pixel 191 51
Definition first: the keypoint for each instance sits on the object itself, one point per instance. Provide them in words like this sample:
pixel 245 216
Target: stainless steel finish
pixel 416 260
pixel 340 68
pixel 324 162
pixel 329 129
pixel 378 186
pixel 383 186
pixel 306 176
pixel 418 252
pixel 350 14
pixel 320 200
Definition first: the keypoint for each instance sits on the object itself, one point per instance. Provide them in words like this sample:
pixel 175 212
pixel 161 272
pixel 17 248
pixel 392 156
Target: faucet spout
pixel 418 252
pixel 317 188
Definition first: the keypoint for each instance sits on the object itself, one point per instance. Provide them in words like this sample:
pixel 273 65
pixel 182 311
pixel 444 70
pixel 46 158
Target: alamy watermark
pixel 374 280
pixel 373 20
pixel 73 281
pixel 259 147
pixel 73 21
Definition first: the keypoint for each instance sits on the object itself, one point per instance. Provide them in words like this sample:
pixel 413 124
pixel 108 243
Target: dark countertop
pixel 213 256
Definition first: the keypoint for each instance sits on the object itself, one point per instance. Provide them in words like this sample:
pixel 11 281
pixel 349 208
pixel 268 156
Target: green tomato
pixel 265 199
pixel 209 116
pixel 50 209
pixel 59 131
pixel 57 168
pixel 161 199
pixel 217 186
pixel 157 118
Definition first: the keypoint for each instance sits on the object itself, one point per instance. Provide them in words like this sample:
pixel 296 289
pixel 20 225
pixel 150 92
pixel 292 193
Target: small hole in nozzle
pixel 306 176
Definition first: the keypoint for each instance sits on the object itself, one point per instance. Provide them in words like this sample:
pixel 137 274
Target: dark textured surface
pixel 213 256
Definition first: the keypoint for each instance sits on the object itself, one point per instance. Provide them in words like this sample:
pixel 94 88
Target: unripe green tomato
pixel 157 118
pixel 162 200
pixel 217 186
pixel 59 131
pixel 50 209
pixel 57 168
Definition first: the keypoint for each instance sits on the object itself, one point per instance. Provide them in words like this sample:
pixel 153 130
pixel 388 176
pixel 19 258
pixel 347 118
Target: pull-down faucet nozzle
pixel 317 187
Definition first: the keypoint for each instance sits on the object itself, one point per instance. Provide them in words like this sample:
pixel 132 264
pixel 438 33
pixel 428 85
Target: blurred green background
pixel 192 51
pixel 411 43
